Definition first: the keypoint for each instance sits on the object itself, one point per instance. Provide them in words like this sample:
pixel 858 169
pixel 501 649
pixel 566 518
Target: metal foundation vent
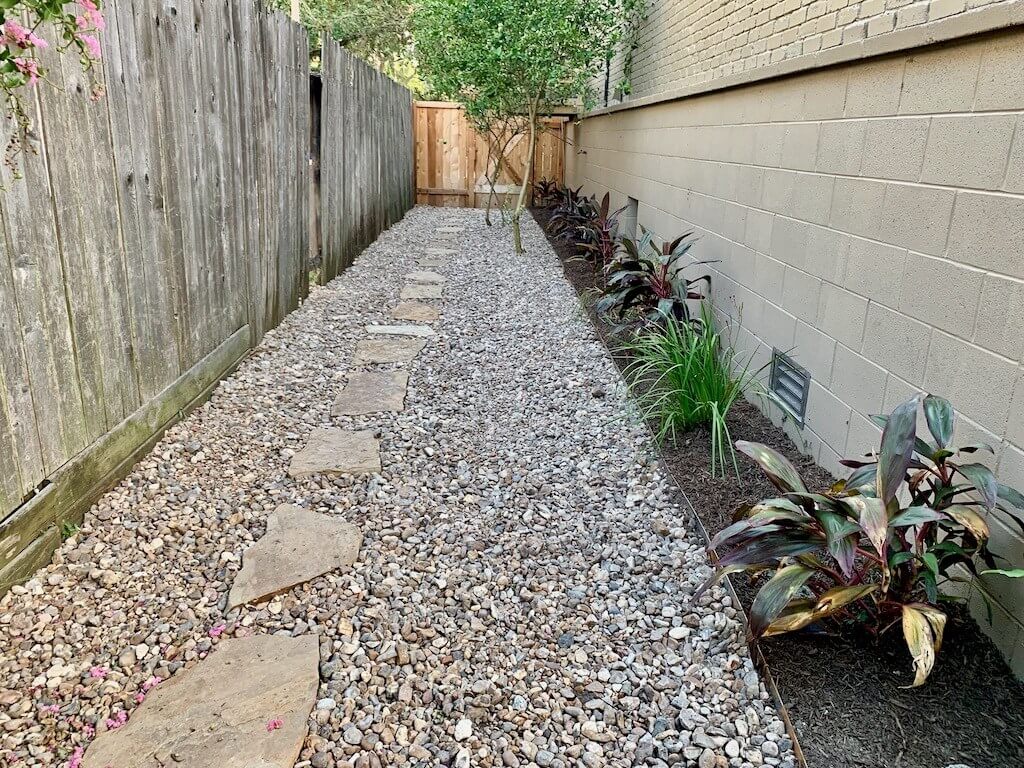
pixel 790 384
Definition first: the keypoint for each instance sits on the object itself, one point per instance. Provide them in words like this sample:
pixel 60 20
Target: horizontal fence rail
pixel 160 232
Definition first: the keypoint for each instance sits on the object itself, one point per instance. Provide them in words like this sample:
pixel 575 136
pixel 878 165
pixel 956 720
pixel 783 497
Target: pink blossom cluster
pixel 13 35
pixel 90 20
pixel 274 724
pixel 115 722
pixel 76 758
pixel 217 631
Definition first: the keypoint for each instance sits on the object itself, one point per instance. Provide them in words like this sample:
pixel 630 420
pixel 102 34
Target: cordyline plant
pixel 545 193
pixel 646 282
pixel 23 24
pixel 570 211
pixel 877 547
pixel 598 237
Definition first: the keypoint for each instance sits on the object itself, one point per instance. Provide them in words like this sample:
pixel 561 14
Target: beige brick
pixel 1015 167
pixel 855 32
pixel 841 147
pixel 789 241
pixel 1001 76
pixel 777 327
pixel 874 88
pixel 897 343
pixel 827 253
pixel 857 206
pixel 800 294
pixel 870 8
pixel 912 15
pixel 857 381
pixel 968 151
pixel 1015 426
pixel 863 437
pixel 841 314
pixel 984 229
pixel 897 392
pixel 880 25
pixel 882 136
pixel 955 67
pixel 768 277
pixel 832 38
pixel 941 293
pixel 800 146
pixel 916 217
pixel 814 350
pixel 1000 324
pixel 977 383
pixel 940 9
pixel 1007 542
pixel 828 416
pixel 875 270
pixel 1001 626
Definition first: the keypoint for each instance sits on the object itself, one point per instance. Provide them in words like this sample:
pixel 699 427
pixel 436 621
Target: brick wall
pixel 688 42
pixel 868 216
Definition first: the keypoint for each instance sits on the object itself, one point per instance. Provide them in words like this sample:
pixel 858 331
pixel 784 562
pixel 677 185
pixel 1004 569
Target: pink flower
pixel 53 709
pixel 152 683
pixel 273 725
pixel 217 631
pixel 91 17
pixel 92 44
pixel 16 35
pixel 140 697
pixel 88 731
pixel 76 758
pixel 118 720
pixel 99 672
pixel 29 68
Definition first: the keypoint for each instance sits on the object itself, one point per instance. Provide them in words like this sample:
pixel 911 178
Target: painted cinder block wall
pixel 861 190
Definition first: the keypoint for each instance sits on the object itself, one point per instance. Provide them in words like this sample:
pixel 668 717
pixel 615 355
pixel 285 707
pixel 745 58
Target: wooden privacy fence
pixel 452 161
pixel 161 231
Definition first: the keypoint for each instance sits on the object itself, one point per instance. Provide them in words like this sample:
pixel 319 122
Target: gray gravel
pixel 524 592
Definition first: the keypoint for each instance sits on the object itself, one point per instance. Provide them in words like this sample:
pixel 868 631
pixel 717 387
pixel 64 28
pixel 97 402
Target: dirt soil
pixel 844 694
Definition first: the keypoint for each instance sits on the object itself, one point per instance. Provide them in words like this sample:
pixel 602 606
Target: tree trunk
pixel 517 234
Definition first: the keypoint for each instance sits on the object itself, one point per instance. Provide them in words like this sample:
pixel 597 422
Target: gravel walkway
pixel 522 596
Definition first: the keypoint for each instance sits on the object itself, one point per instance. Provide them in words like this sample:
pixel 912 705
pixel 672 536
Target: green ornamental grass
pixel 686 375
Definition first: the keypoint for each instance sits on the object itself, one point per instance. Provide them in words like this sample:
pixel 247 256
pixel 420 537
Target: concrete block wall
pixel 868 216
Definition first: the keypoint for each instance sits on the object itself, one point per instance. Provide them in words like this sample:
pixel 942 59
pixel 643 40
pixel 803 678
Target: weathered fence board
pixel 366 160
pixel 453 163
pixel 161 231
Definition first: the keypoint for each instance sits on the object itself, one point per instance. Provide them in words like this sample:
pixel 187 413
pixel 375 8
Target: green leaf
pixel 1010 573
pixel 915 516
pixel 776 466
pixel 984 482
pixel 841 544
pixel 923 626
pixel 1010 495
pixel 799 613
pixel 870 512
pixel 939 414
pixel 897 449
pixel 775 596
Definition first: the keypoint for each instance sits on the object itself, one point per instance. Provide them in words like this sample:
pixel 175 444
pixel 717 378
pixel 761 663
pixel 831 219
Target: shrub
pixel 546 193
pixel 689 375
pixel 877 547
pixel 646 283
pixel 598 237
pixel 571 211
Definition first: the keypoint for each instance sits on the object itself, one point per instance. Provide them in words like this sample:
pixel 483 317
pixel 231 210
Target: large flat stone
pixel 215 714
pixel 299 545
pixel 440 252
pixel 418 291
pixel 334 451
pixel 387 350
pixel 372 392
pixel 423 276
pixel 422 331
pixel 448 229
pixel 416 312
pixel 431 262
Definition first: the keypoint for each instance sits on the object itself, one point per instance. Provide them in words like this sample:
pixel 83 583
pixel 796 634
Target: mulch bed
pixel 844 694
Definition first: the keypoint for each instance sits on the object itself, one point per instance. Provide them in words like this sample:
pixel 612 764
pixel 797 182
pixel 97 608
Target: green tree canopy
pixel 506 57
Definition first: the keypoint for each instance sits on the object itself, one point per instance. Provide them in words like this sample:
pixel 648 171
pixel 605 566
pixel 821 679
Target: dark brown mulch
pixel 844 694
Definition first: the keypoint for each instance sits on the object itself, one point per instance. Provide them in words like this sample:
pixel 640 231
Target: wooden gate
pixel 452 159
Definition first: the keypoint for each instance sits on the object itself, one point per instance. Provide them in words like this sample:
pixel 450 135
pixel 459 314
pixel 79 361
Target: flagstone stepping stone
pixel 440 252
pixel 415 311
pixel 448 230
pixel 333 451
pixel 218 714
pixel 387 350
pixel 299 545
pixel 429 278
pixel 372 392
pixel 422 331
pixel 419 291
pixel 428 262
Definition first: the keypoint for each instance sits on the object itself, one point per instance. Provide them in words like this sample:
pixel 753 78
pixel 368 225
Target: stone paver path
pixel 523 592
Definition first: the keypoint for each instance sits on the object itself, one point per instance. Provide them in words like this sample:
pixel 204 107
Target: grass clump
pixel 686 375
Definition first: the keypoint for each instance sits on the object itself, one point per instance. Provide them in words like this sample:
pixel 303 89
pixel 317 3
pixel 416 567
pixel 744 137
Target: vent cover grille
pixel 790 384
